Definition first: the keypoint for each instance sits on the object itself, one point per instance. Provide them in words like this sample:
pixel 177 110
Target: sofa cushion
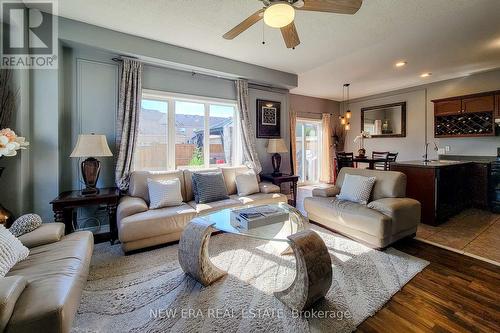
pixel 130 206
pixel 404 212
pixel 47 233
pixel 326 191
pixel 154 222
pixel 356 188
pixel 266 187
pixel 230 174
pixel 247 184
pixel 11 251
pixel 25 224
pixel 209 187
pixel 389 184
pixel 164 193
pixel 10 289
pixel 354 215
pixel 213 206
pixel 188 181
pixel 260 198
pixel 139 182
pixel 56 274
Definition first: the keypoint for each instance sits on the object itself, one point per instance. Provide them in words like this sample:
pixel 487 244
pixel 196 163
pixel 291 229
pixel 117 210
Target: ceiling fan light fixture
pixel 279 15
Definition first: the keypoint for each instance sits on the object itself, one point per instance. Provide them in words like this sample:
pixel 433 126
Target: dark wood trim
pixel 403 119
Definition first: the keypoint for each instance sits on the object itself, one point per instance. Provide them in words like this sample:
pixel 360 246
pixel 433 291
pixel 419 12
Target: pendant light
pixel 345 119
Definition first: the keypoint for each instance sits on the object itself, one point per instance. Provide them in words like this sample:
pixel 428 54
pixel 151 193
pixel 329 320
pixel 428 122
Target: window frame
pixel 170 98
pixel 319 123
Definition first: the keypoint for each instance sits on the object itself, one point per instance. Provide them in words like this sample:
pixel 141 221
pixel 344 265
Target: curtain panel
pixel 293 141
pixel 327 162
pixel 247 131
pixel 129 106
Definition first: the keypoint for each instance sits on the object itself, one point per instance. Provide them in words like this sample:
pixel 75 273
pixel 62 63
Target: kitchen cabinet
pixel 478 104
pixel 448 107
pixel 497 106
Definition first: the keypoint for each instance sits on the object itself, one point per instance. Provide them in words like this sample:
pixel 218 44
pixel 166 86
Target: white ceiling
pixel 450 38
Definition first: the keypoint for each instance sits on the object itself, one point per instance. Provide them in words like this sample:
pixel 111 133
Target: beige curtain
pixel 129 106
pixel 248 135
pixel 327 169
pixel 293 140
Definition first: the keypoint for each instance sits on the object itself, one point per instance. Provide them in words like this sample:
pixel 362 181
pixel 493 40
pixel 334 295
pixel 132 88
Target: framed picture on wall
pixel 268 119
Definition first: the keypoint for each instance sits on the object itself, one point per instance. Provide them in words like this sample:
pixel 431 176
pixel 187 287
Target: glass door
pixel 308 138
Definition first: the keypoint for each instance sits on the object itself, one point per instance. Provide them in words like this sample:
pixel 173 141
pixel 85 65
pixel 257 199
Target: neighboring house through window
pixel 308 138
pixel 180 131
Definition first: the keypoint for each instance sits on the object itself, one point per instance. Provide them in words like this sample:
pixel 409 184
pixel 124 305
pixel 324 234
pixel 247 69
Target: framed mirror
pixel 384 121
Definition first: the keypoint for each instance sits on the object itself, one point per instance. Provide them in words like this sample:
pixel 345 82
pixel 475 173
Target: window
pixel 308 138
pixel 178 131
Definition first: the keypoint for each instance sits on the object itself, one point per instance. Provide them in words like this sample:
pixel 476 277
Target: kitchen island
pixel 445 187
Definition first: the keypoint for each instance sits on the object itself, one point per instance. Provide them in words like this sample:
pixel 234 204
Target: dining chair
pixel 344 159
pixel 391 157
pixel 381 155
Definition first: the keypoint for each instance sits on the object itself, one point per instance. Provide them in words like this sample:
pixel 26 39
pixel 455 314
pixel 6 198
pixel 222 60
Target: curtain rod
pixel 194 73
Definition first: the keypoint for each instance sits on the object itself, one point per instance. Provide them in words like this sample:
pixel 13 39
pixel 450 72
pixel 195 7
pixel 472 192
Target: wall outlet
pixel 447 148
pixel 441 151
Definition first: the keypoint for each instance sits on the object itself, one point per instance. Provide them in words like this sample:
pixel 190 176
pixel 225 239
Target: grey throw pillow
pixel 25 224
pixel 209 187
pixel 356 189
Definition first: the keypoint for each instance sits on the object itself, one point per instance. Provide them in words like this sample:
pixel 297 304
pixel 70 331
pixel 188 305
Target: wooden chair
pixel 344 160
pixel 391 157
pixel 381 155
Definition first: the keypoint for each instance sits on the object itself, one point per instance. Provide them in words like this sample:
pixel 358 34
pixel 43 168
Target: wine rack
pixel 464 124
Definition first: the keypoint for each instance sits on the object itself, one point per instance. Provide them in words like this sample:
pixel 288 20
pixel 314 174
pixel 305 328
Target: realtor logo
pixel 29 34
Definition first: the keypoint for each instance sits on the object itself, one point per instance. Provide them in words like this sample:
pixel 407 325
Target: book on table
pixel 254 217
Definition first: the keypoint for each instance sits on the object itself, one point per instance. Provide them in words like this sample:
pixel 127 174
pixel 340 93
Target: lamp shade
pixel 91 145
pixel 276 146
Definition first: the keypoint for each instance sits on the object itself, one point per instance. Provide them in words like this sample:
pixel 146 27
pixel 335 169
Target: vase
pixel 361 152
pixel 6 217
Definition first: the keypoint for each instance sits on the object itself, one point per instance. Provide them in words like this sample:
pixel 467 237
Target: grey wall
pixel 412 146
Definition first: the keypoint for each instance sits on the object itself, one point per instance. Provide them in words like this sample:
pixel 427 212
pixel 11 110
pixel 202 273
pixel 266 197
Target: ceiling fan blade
pixel 290 35
pixel 332 6
pixel 247 23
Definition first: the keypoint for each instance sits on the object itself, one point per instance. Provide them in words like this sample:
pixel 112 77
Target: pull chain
pixel 263 33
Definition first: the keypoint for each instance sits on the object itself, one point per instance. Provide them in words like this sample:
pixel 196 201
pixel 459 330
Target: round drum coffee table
pixel 313 275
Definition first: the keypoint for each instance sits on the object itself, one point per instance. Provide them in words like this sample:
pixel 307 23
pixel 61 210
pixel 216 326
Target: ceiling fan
pixel 281 14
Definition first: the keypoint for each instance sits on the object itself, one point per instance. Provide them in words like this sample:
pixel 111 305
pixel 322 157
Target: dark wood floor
pixel 455 293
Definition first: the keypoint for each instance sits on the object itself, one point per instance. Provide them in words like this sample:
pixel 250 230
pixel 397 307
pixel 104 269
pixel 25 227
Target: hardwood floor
pixel 455 293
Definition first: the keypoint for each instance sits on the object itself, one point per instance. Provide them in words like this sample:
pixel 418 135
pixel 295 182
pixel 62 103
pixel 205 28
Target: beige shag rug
pixel 149 292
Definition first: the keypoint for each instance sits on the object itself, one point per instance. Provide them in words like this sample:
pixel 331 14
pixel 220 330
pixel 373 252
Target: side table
pixel 64 207
pixel 283 178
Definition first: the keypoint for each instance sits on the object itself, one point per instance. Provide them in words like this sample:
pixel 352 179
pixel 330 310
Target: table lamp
pixel 275 147
pixel 91 146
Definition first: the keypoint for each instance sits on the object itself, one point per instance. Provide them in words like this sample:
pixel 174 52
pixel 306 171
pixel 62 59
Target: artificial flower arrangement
pixel 10 143
pixel 361 138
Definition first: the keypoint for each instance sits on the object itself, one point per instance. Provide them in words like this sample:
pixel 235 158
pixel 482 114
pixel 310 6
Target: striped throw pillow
pixel 356 189
pixel 164 193
pixel 209 187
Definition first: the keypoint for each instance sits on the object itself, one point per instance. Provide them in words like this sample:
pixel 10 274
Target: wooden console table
pixel 64 207
pixel 283 178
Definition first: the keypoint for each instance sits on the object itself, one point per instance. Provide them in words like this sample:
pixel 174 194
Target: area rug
pixel 149 292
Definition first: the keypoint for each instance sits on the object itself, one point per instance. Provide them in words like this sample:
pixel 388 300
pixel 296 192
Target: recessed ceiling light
pixel 426 74
pixel 401 63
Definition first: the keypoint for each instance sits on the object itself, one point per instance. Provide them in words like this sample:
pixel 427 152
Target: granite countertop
pixel 475 159
pixel 431 164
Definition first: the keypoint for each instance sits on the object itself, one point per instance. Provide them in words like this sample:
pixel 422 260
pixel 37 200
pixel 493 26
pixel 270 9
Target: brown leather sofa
pixel 141 227
pixel 42 292
pixel 388 217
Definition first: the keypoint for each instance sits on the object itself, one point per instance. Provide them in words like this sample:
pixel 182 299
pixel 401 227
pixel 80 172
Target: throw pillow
pixel 164 193
pixel 25 224
pixel 246 184
pixel 356 188
pixel 209 187
pixel 11 251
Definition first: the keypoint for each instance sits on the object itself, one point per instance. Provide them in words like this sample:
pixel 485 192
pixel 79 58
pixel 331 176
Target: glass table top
pixel 221 220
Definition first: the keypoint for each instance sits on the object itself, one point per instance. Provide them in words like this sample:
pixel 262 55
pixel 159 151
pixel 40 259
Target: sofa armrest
pixel 11 287
pixel 129 206
pixel 326 191
pixel 45 234
pixel 404 212
pixel 266 187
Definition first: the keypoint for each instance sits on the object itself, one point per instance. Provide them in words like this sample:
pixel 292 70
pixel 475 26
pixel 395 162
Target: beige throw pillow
pixel 164 193
pixel 11 251
pixel 247 184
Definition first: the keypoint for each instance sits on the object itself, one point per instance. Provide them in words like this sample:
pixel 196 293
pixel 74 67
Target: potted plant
pixel 361 138
pixel 10 143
